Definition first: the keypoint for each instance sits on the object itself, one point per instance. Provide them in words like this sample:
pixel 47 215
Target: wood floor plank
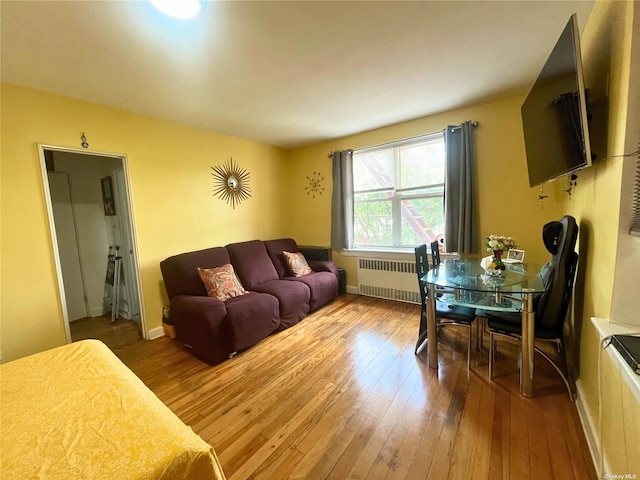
pixel 369 382
pixel 482 441
pixel 396 455
pixel 263 453
pixel 500 437
pixel 281 469
pixel 360 456
pixel 455 397
pixel 519 464
pixel 577 444
pixel 411 427
pixel 423 464
pixel 538 446
pixel 563 461
pixel 466 433
pixel 118 334
pixel 342 395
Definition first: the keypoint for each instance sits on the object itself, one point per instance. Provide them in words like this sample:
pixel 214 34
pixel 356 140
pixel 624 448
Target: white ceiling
pixel 288 73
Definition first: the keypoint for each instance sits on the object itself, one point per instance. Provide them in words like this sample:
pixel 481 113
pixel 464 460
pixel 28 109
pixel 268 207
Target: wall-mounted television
pixel 554 114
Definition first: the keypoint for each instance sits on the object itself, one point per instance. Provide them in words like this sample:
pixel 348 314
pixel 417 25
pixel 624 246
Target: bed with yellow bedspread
pixel 77 412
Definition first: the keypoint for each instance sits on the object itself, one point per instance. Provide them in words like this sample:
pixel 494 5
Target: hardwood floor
pixel 115 335
pixel 342 395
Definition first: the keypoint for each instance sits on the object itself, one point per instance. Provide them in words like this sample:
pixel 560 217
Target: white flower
pixel 499 242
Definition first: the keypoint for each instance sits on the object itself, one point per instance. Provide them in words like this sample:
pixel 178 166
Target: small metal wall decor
pixel 573 182
pixel 541 198
pixel 315 185
pixel 84 141
pixel 231 183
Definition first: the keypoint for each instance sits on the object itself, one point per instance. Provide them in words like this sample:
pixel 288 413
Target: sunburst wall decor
pixel 231 183
pixel 315 184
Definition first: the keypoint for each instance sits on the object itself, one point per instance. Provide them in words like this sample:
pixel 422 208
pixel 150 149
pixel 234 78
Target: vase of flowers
pixel 497 244
pixel 498 264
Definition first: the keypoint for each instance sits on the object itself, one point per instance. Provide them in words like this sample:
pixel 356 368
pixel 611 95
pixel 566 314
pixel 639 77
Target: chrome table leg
pixel 528 338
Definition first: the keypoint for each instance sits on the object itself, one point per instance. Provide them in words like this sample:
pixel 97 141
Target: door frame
pixel 52 232
pixel 128 265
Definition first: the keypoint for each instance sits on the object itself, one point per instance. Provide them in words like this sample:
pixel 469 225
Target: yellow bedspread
pixel 77 412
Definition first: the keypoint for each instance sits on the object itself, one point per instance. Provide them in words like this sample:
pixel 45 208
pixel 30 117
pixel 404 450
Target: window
pixel 398 193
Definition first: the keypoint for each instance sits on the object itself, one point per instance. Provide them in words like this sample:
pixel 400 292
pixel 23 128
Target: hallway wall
pixel 85 172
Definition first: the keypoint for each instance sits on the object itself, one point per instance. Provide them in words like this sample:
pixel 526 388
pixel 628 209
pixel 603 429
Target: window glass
pixel 374 170
pixel 412 164
pixel 422 220
pixel 399 193
pixel 373 223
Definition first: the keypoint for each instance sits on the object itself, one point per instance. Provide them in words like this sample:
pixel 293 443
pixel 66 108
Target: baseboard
pixel 96 311
pixel 155 333
pixel 352 289
pixel 589 427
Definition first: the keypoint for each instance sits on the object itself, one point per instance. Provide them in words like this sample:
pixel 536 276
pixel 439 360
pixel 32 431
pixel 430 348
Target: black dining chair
pixel 551 307
pixel 446 314
pixel 435 253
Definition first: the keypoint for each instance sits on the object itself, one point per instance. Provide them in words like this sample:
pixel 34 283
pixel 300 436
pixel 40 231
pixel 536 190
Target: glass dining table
pixel 465 282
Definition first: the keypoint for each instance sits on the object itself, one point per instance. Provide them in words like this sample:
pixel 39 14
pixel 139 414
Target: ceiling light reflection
pixel 183 9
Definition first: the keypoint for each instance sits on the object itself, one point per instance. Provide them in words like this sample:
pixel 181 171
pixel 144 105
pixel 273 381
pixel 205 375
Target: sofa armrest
pixel 323 266
pixel 199 323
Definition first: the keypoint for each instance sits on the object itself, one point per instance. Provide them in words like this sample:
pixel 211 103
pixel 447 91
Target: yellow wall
pixel 606 44
pixel 507 206
pixel 174 210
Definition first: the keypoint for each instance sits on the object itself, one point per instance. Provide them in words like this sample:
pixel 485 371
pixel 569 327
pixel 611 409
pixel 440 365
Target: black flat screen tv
pixel 554 114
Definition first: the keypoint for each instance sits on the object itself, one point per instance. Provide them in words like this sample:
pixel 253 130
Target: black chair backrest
pixel 558 274
pixel 422 267
pixel 435 253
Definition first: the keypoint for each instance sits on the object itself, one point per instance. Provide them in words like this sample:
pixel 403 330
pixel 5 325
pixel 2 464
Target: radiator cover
pixel 390 279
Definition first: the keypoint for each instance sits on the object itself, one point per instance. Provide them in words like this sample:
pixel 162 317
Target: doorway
pixel 89 222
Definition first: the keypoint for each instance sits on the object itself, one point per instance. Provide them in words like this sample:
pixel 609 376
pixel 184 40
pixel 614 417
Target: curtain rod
pixel 473 124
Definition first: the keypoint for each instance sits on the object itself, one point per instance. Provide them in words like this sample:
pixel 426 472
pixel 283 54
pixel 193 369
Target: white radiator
pixel 391 279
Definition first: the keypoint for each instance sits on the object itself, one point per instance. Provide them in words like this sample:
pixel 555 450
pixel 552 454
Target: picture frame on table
pixel 515 256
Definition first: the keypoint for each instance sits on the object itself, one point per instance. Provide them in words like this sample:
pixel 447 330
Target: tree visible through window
pixel 399 192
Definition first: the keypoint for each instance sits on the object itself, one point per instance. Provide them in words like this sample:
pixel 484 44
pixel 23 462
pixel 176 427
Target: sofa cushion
pixel 252 263
pixel 297 264
pixel 275 249
pixel 293 300
pixel 323 288
pixel 251 318
pixel 221 282
pixel 180 272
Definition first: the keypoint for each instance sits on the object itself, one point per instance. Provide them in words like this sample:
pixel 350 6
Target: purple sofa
pixel 215 330
pixel 322 283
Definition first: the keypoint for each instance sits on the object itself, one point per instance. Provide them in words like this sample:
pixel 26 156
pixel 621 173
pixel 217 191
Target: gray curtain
pixel 342 200
pixel 460 228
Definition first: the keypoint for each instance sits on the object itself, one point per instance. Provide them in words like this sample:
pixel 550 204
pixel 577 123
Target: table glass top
pixel 468 274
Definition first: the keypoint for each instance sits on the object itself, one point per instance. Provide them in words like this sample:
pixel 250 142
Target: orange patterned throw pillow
pixel 297 264
pixel 221 282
